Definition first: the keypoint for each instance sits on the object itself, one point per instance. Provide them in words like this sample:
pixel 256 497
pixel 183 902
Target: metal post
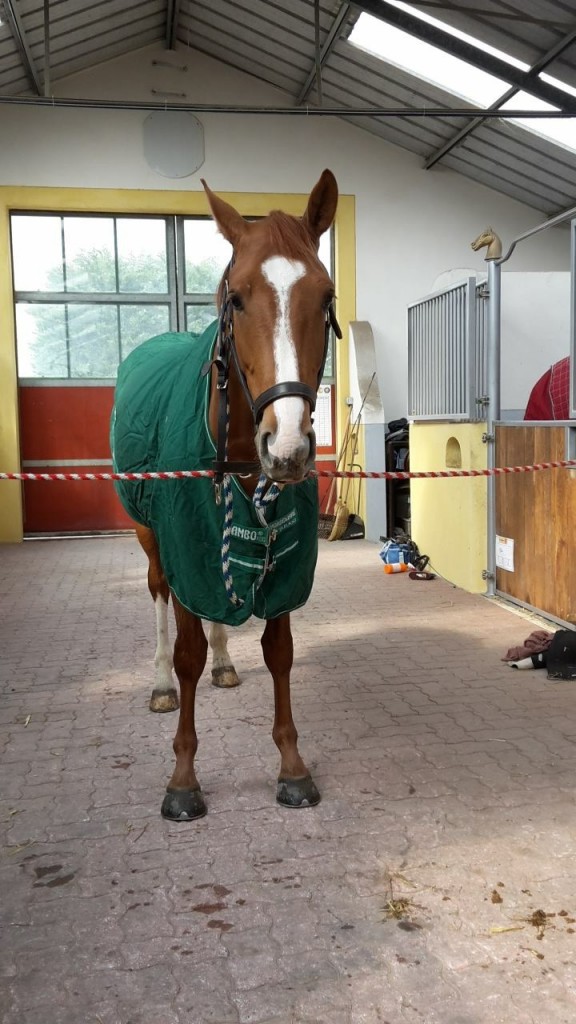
pixel 493 414
pixel 47 85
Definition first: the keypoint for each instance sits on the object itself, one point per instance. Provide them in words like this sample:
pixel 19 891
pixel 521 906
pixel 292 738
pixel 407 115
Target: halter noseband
pixel 225 350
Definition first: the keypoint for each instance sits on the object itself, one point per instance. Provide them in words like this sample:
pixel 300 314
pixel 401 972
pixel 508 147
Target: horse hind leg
pixel 223 671
pixel 184 800
pixel 164 696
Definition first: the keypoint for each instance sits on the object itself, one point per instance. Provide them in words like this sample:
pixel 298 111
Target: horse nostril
pixel 264 445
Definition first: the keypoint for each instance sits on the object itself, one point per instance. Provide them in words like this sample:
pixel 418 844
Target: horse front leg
pixel 223 671
pixel 295 785
pixel 184 800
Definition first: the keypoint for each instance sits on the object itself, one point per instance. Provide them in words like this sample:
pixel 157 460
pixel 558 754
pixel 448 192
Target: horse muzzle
pixel 286 462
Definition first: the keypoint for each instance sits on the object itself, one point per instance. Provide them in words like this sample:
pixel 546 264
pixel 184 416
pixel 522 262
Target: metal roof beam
pixel 220 108
pixel 480 12
pixel 19 33
pixel 535 70
pixel 172 19
pixel 466 51
pixel 329 44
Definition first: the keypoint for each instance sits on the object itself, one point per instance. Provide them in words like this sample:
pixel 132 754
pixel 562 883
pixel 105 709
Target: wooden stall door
pixel 65 428
pixel 538 512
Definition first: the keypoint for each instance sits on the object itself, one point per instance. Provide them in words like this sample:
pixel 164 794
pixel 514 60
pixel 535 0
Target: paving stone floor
pixel 434 884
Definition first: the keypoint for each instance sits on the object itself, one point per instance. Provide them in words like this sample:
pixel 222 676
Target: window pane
pixel 93 334
pixel 199 317
pixel 206 256
pixel 325 251
pixel 325 254
pixel 137 323
pixel 41 340
pixel 328 366
pixel 37 253
pixel 142 264
pixel 89 248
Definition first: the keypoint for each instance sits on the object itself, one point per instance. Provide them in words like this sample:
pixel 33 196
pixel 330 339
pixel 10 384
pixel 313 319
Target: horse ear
pixel 230 223
pixel 322 204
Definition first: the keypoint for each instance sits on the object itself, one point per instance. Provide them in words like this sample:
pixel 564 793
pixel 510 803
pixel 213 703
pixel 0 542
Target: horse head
pixel 280 302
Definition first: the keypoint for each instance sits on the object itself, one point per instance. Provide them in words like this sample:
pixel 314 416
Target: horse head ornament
pixel 490 239
pixel 276 311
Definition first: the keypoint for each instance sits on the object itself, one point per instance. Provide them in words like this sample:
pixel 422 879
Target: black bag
pixel 395 425
pixel 561 655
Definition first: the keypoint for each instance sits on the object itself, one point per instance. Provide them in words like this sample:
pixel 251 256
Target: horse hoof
pixel 183 804
pixel 165 700
pixel 225 677
pixel 297 792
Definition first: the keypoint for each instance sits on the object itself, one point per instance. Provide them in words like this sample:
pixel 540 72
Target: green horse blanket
pixel 160 422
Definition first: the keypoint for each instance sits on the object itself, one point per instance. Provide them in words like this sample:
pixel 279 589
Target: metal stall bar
pixel 442 356
pixel 492 414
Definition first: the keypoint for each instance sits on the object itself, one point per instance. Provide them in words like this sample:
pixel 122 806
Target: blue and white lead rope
pixel 260 501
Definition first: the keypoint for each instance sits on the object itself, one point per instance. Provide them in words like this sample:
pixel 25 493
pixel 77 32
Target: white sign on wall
pixel 505 553
pixel 323 417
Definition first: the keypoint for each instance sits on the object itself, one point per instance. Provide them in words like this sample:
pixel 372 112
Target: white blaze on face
pixel 281 274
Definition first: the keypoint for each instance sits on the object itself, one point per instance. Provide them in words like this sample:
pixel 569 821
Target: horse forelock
pixel 278 234
pixel 289 236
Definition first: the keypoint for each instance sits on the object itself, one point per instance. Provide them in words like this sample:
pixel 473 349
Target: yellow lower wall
pixel 449 516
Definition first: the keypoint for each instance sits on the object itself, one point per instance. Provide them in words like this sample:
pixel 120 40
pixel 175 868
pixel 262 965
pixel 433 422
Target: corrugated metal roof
pixel 261 37
pixel 275 42
pixel 524 28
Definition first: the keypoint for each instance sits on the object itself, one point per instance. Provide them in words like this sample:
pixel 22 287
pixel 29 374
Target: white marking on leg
pixel 282 274
pixel 163 656
pixel 218 640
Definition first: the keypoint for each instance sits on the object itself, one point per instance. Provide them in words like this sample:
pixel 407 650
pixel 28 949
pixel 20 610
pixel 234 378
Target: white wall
pixel 412 225
pixel 535 331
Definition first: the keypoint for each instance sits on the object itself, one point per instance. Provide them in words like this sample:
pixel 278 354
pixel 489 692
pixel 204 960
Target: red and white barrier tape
pixel 331 474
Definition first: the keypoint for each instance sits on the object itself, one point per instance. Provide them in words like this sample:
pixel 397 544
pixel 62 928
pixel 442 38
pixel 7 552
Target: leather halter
pixel 225 351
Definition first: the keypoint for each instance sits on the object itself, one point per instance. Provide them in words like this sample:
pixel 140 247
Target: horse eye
pixel 328 302
pixel 236 301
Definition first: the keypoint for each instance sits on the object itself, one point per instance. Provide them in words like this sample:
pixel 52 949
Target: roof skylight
pixel 485 47
pixel 558 129
pixel 425 60
pixel 455 75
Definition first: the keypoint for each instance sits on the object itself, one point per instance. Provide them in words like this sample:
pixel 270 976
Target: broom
pixel 327 519
pixel 342 513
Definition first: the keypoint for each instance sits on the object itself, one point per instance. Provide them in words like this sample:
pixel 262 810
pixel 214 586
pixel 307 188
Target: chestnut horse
pixel 265 364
